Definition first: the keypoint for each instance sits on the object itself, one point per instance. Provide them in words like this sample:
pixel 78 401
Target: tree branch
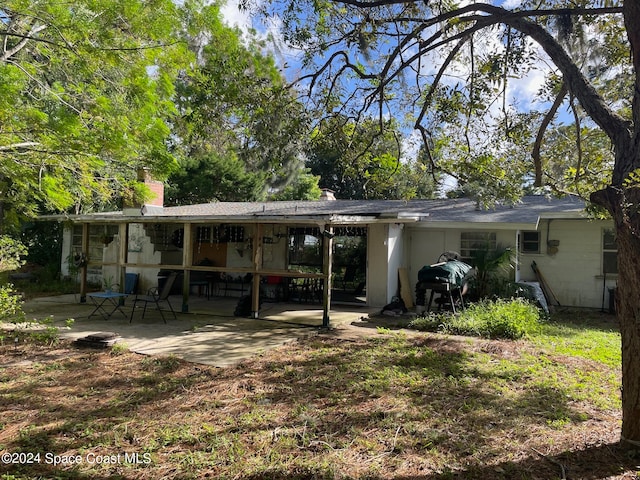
pixel 21 44
pixel 19 146
pixel 521 13
pixel 546 121
pixel 632 24
pixel 615 126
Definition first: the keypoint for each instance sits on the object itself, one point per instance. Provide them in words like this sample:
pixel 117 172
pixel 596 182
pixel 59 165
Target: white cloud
pixel 511 4
pixel 234 17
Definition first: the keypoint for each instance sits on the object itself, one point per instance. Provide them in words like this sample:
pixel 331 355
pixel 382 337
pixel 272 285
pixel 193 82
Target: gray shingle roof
pixel 449 210
pixel 527 211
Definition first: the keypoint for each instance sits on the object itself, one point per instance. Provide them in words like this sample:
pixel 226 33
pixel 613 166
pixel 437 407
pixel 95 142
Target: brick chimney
pixel 327 194
pixel 153 205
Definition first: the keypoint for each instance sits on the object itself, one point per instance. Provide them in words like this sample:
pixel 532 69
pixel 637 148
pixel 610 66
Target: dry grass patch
pixel 387 406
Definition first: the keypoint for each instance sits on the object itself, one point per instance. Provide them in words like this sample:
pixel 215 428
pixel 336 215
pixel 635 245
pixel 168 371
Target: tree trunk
pixel 624 206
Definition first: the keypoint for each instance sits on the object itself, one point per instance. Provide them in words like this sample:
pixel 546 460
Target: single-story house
pixel 313 248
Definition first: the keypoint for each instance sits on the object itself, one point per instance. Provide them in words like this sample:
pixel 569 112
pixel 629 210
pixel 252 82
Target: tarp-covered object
pixel 453 271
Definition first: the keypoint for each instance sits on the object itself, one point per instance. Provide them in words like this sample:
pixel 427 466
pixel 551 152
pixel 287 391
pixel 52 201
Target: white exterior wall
pixel 142 251
pixel 426 245
pixel 574 273
pixel 377 265
pixel 395 259
pixel 67 250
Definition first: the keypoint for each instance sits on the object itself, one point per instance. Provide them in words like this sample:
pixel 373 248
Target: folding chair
pixel 130 283
pixel 349 276
pixel 154 297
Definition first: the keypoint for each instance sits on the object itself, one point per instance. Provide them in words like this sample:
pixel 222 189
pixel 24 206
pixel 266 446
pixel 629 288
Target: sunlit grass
pixel 391 404
pixel 582 334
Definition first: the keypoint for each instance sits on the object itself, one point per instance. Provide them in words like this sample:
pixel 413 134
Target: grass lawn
pixel 392 405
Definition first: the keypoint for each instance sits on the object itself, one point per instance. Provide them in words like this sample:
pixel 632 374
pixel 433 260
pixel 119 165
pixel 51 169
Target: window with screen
pixel 472 242
pixel 305 246
pixel 530 242
pixel 609 251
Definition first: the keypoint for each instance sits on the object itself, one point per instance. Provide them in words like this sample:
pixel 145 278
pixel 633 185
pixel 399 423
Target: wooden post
pixel 257 266
pixel 123 231
pixel 327 261
pixel 187 260
pixel 83 269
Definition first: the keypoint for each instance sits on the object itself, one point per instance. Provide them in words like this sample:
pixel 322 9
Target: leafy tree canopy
pixel 457 74
pixel 85 91
pixel 363 161
pixel 303 187
pixel 240 128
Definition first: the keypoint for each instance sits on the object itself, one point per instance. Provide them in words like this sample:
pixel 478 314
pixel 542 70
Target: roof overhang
pixel 475 225
pixel 119 218
pixel 568 215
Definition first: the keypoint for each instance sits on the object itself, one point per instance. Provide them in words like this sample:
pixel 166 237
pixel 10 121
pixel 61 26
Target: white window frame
pixel 610 249
pixel 471 241
pixel 524 242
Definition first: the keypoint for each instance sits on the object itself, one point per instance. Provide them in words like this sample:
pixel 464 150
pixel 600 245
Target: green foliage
pixel 80 110
pixel 10 304
pixel 40 331
pixel 241 131
pixel 118 349
pixel 577 164
pixel 492 267
pixel 44 243
pixel 304 187
pixel 12 253
pixel 363 161
pixel 511 319
pixel 213 178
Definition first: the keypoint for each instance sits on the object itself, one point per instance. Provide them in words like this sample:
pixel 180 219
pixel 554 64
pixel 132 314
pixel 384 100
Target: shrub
pixel 10 304
pixel 35 330
pixel 499 318
pixel 12 253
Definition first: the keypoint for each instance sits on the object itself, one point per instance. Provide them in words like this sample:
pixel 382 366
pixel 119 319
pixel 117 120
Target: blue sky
pixel 523 92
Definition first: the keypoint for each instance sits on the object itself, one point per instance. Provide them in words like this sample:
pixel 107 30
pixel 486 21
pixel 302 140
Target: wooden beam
pixel 187 259
pixel 327 261
pixel 123 232
pixel 257 266
pixel 83 269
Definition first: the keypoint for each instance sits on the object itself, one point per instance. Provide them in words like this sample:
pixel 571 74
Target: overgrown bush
pixel 10 304
pixel 12 253
pixel 40 331
pixel 499 318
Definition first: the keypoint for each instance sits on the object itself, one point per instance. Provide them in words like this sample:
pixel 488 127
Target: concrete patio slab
pixel 210 334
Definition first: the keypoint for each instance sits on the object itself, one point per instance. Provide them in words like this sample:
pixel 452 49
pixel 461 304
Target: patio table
pixel 104 300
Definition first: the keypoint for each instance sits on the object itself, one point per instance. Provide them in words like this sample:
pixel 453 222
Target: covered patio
pixel 258 253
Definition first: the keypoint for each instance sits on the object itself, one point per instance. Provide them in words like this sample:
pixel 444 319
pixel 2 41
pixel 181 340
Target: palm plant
pixel 492 267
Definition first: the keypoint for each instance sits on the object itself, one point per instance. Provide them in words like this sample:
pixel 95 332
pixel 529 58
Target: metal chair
pixel 154 297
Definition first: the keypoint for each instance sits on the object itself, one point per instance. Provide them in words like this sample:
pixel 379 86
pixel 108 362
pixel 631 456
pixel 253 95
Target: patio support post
pixel 257 265
pixel 327 260
pixel 83 269
pixel 187 260
pixel 517 255
pixel 123 232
